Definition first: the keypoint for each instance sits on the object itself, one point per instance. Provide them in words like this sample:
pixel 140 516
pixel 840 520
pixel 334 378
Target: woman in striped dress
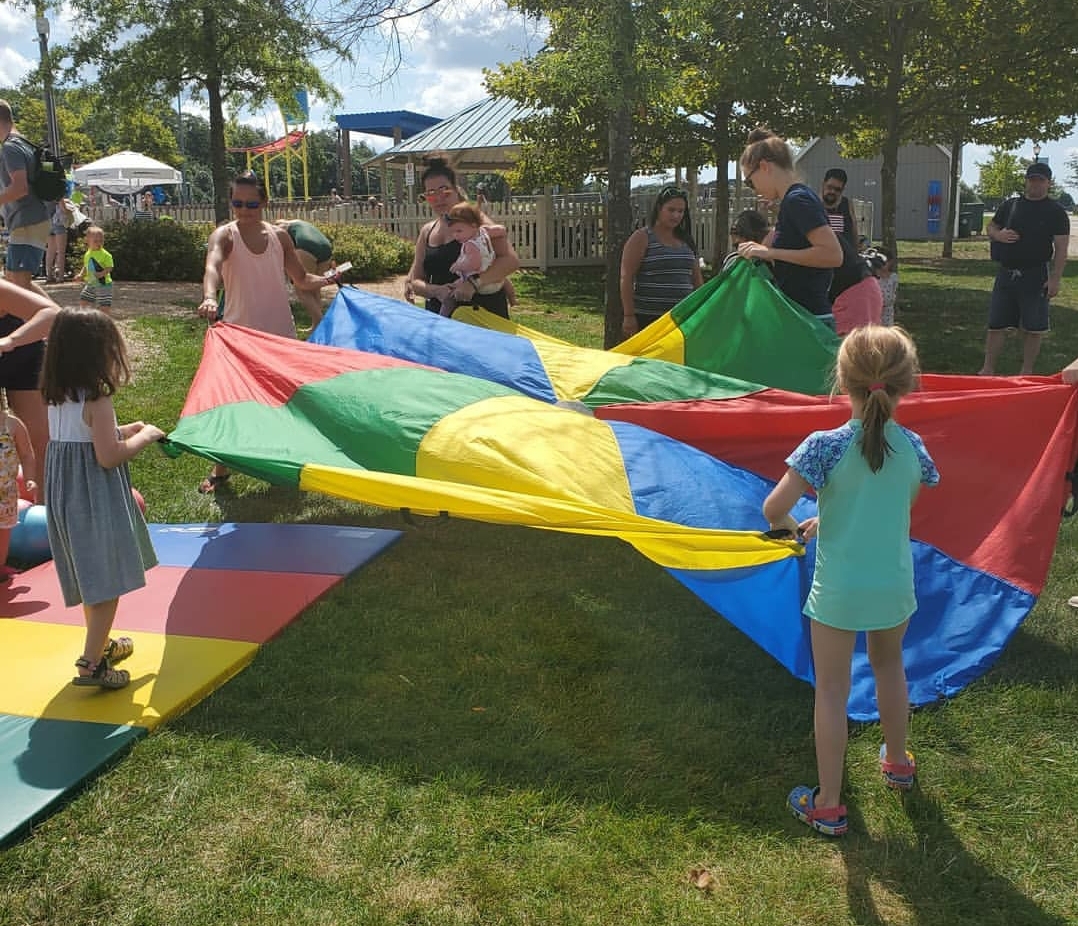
pixel 659 263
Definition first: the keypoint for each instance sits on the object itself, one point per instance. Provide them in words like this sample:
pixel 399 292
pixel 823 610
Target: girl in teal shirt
pixel 866 475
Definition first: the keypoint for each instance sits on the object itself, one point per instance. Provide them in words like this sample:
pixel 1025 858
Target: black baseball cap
pixel 1039 169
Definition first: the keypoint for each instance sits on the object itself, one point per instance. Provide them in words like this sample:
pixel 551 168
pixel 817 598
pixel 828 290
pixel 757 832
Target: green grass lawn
pixel 495 725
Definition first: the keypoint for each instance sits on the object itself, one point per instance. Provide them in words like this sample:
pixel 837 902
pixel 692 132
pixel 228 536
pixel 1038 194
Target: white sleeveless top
pixel 256 294
pixel 67 424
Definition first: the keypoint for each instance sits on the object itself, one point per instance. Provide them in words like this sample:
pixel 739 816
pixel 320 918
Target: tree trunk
pixel 952 199
pixel 619 212
pixel 217 151
pixel 218 170
pixel 892 137
pixel 723 156
pixel 619 215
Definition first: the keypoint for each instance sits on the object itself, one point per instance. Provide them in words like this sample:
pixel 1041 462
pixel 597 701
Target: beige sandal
pixel 101 675
pixel 119 649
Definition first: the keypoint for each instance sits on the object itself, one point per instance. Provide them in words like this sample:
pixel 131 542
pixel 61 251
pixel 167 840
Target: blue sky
pixel 444 54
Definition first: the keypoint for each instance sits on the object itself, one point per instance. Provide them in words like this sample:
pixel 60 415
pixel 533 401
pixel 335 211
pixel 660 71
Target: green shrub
pixel 167 251
pixel 154 251
pixel 374 253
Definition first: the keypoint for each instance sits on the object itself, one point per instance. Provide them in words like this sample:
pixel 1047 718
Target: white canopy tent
pixel 126 172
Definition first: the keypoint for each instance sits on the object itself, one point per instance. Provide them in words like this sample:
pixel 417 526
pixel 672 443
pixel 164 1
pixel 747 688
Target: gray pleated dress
pixel 100 544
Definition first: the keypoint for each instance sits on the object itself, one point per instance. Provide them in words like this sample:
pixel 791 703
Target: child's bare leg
pixel 892 692
pixel 832 651
pixel 99 618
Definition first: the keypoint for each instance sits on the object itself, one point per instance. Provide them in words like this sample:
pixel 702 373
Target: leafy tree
pixel 914 70
pixel 230 54
pixel 1002 175
pixel 732 67
pixel 1072 165
pixel 592 70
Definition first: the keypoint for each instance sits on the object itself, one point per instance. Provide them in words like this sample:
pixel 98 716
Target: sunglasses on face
pixel 246 203
pixel 436 192
pixel 748 177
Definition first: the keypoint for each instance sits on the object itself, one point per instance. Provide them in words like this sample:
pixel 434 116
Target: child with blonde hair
pixel 100 544
pixel 97 266
pixel 15 451
pixel 866 475
pixel 885 266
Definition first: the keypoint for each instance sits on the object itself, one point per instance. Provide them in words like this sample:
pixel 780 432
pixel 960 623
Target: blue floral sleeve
pixel 929 474
pixel 818 453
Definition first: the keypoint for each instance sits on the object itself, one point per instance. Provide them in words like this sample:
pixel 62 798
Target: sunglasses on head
pixel 437 191
pixel 246 203
pixel 672 192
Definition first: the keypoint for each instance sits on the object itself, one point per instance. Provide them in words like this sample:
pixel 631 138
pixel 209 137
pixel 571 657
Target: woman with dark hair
pixel 804 248
pixel 659 263
pixel 249 257
pixel 436 250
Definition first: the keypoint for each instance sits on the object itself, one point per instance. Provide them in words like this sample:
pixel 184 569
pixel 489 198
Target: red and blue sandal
pixel 897 775
pixel 831 821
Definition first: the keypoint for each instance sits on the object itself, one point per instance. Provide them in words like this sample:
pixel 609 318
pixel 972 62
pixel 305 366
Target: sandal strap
pixel 898 768
pixel 835 814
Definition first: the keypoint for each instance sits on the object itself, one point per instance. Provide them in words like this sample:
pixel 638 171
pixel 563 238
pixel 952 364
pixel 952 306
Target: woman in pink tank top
pixel 250 258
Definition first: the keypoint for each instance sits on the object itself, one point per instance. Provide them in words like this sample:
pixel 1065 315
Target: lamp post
pixel 41 23
pixel 1036 152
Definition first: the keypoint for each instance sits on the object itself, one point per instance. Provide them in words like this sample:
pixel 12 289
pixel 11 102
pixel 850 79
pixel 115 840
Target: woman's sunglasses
pixel 672 192
pixel 246 203
pixel 430 195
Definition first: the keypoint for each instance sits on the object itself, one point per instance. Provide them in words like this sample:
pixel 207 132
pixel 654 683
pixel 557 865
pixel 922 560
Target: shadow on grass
pixel 935 876
pixel 527 659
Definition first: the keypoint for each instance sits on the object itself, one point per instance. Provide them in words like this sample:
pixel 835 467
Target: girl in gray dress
pixel 100 543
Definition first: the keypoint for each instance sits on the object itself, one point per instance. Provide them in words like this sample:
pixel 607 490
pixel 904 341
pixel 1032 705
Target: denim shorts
pixel 24 257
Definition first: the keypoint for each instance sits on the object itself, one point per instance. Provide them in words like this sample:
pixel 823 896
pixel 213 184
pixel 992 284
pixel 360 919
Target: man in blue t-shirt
pixel 1029 236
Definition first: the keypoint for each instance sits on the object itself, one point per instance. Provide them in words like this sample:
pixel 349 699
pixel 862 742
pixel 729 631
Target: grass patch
pixel 495 725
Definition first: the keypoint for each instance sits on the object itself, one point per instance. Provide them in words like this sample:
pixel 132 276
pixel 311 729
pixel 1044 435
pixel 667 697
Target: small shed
pixel 922 186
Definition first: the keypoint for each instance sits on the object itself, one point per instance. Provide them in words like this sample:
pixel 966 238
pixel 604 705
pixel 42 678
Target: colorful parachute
pixel 397 434
pixel 738 324
pixel 400 435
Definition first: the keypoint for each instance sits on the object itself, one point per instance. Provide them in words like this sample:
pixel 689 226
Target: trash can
pixel 970 219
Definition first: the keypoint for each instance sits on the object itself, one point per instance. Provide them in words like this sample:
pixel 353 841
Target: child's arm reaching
pixel 783 497
pixel 113 444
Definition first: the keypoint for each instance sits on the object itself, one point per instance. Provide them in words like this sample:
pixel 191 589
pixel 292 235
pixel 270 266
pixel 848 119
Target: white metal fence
pixel 546 230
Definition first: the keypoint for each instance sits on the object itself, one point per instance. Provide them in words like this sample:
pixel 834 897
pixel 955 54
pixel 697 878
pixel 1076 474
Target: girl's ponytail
pixel 878 410
pixel 877 365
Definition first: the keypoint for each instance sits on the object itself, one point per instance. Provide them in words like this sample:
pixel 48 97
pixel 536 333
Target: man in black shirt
pixel 1029 236
pixel 837 206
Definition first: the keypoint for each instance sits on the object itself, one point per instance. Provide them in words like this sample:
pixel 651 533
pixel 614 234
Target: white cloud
pixel 13 66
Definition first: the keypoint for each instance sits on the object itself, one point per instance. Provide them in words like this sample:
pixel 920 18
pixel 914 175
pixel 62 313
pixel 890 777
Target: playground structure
pixel 292 146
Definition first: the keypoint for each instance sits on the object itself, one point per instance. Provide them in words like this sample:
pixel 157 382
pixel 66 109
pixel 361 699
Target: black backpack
pixel 48 179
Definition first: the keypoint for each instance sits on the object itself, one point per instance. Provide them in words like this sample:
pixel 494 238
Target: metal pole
pixel 179 141
pixel 42 24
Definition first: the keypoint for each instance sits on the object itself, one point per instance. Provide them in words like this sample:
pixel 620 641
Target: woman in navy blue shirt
pixel 803 248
